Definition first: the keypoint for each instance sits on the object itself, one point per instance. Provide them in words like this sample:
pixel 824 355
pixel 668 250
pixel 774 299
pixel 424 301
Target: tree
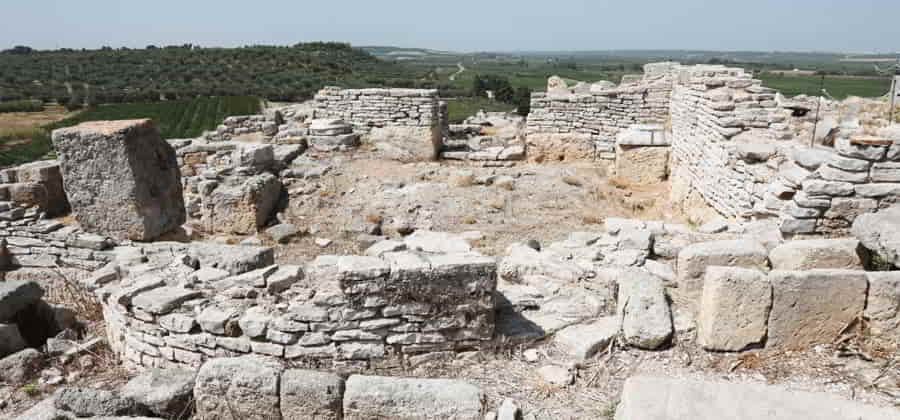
pixel 523 101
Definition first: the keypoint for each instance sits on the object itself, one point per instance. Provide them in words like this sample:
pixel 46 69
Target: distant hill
pixel 182 72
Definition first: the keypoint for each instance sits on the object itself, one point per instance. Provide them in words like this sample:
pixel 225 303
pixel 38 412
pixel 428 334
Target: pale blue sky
pixel 463 25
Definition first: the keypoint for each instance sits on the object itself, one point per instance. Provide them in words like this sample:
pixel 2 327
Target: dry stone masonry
pixel 405 124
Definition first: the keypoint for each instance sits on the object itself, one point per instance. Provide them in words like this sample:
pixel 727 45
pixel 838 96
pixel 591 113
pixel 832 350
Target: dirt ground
pixel 544 202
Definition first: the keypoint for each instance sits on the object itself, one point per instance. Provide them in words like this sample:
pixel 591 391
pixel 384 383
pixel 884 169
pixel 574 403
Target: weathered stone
pixel 827 188
pixel 846 148
pixel 307 394
pixel 556 375
pixel 883 304
pixel 659 398
pixel 734 309
pixel 694 259
pixel 255 321
pixel 583 341
pixel 644 310
pixel 121 178
pixel 244 388
pixel 283 233
pixel 163 300
pixel 407 144
pixel 242 207
pixel 880 233
pixel 369 397
pixel 85 402
pixel 213 319
pixel 21 366
pixel 436 242
pixel 812 159
pixel 165 393
pixel 886 172
pixel 817 253
pixel 813 307
pixel 642 165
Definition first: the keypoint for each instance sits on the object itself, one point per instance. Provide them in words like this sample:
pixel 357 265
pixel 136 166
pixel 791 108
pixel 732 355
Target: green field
pixel 839 87
pixel 175 119
pixel 461 108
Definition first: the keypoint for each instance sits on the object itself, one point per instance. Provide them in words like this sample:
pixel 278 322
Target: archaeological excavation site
pixel 687 244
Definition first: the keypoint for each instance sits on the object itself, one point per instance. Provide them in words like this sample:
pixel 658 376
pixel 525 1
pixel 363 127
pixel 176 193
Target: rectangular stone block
pixel 368 397
pixel 694 259
pixel 813 307
pixel 121 178
pixel 883 304
pixel 734 308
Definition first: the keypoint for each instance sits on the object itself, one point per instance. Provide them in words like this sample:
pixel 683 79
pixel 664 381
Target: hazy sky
pixel 463 25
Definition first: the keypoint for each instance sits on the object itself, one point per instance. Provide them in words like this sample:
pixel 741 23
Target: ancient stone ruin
pixel 289 265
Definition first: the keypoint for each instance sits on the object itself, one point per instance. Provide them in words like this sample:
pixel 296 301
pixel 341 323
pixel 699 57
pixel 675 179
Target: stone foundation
pixel 344 310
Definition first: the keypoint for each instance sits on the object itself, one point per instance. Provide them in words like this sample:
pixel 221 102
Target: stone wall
pixel 346 310
pixel 563 125
pixel 405 124
pixel 716 110
pixel 29 242
pixel 824 190
pixel 36 184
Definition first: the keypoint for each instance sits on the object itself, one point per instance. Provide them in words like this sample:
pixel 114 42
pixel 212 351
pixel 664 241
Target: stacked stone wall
pixel 346 310
pixel 593 120
pixel 824 190
pixel 368 108
pixel 711 106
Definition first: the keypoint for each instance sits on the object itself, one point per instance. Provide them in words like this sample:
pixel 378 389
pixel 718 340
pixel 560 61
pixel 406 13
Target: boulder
pixel 880 233
pixel 659 398
pixel 241 206
pixel 283 233
pixel 583 341
pixel 165 393
pixel 813 307
pixel 693 259
pixel 817 253
pixel 86 402
pixel 241 388
pixel 121 178
pixel 19 367
pixel 368 397
pixel 644 310
pixel 734 308
pixel 307 394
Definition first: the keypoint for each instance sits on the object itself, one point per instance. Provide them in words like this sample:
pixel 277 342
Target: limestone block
pixel 642 165
pixel 368 397
pixel 817 253
pixel 242 206
pixel 307 394
pixel 48 174
pixel 694 259
pixel 813 307
pixel 238 388
pixel 583 341
pixel 880 233
pixel 166 393
pixel 644 310
pixel 734 308
pixel 883 304
pixel 121 178
pixel 407 144
pixel 658 398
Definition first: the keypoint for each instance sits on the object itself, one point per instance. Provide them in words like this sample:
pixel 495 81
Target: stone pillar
pixel 121 178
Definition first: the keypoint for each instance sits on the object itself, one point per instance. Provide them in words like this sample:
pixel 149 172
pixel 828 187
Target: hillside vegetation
pixel 175 119
pixel 184 72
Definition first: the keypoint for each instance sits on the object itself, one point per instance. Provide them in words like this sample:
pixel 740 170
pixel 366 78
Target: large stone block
pixel 734 308
pixel 48 174
pixel 883 304
pixel 658 398
pixel 642 165
pixel 307 394
pixel 813 307
pixel 644 310
pixel 842 254
pixel 242 206
pixel 242 388
pixel 373 397
pixel 121 178
pixel 880 233
pixel 407 143
pixel 694 259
